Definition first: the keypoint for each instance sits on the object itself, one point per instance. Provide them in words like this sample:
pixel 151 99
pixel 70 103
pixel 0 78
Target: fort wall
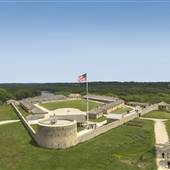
pixel 29 129
pixel 65 136
pixel 56 136
pixel 132 115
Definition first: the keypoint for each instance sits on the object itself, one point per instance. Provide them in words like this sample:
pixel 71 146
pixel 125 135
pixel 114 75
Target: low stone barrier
pixel 132 115
pixel 98 131
pixel 93 133
pixel 29 129
pixel 150 109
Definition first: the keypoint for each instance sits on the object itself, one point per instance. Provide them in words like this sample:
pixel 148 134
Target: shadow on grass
pixel 33 143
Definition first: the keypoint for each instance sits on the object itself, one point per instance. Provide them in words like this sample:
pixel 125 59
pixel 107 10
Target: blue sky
pixel 112 41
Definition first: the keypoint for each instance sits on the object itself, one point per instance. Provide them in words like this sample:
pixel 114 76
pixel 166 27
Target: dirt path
pixel 161 137
pixel 8 121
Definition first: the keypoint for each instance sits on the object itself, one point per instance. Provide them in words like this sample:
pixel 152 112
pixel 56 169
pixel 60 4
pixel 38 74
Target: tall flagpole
pixel 87 93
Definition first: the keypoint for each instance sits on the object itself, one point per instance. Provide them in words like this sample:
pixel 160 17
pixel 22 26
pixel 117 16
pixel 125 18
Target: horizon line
pixel 84 1
pixel 72 82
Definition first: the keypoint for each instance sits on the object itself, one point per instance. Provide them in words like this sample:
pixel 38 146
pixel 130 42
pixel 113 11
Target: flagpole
pixel 87 93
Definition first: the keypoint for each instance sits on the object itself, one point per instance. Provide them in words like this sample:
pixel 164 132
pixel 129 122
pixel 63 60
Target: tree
pixel 5 95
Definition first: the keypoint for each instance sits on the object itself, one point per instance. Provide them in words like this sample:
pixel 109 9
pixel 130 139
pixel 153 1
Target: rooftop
pixel 114 116
pixel 101 98
pixel 104 107
pixel 163 104
pixel 54 122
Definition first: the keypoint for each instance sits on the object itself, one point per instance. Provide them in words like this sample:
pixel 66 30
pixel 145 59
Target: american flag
pixel 82 78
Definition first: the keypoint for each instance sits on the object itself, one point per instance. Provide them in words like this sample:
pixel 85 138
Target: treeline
pixel 129 91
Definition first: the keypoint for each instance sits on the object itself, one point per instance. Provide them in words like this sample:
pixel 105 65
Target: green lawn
pixel 24 113
pixel 7 112
pixel 77 104
pixel 128 147
pixel 101 119
pixel 122 110
pixel 158 115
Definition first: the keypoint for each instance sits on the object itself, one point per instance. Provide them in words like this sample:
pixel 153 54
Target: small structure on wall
pixel 105 109
pixel 75 96
pixel 104 99
pixel 163 106
pixel 113 117
pixel 136 104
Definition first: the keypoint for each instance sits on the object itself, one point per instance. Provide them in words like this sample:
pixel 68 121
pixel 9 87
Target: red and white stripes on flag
pixel 82 78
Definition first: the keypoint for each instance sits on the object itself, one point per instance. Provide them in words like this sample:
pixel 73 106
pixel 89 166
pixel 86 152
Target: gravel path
pixel 161 137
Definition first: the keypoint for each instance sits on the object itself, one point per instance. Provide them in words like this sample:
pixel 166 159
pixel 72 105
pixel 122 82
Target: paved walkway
pixel 161 137
pixel 8 121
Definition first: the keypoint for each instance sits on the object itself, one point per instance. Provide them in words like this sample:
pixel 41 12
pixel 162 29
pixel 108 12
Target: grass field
pixel 101 119
pixel 24 113
pixel 122 110
pixel 128 147
pixel 158 115
pixel 77 104
pixel 7 112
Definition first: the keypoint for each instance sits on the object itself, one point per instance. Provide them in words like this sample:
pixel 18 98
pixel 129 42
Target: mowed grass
pixel 77 104
pixel 101 119
pixel 125 148
pixel 158 115
pixel 7 113
pixel 122 110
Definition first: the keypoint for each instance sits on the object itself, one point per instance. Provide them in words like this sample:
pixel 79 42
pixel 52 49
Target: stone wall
pixel 132 115
pixel 105 128
pixel 150 108
pixel 115 108
pixel 29 129
pixel 67 136
pixel 57 137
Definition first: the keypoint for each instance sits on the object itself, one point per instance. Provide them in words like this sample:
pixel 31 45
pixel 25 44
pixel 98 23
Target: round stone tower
pixel 56 134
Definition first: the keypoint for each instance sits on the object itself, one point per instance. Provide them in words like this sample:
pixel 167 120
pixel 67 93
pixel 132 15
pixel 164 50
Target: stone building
pixel 135 104
pixel 57 134
pixel 104 99
pixel 163 106
pixel 75 96
pixel 105 109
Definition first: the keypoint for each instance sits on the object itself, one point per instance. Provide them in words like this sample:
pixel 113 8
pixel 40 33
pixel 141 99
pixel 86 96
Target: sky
pixel 55 41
